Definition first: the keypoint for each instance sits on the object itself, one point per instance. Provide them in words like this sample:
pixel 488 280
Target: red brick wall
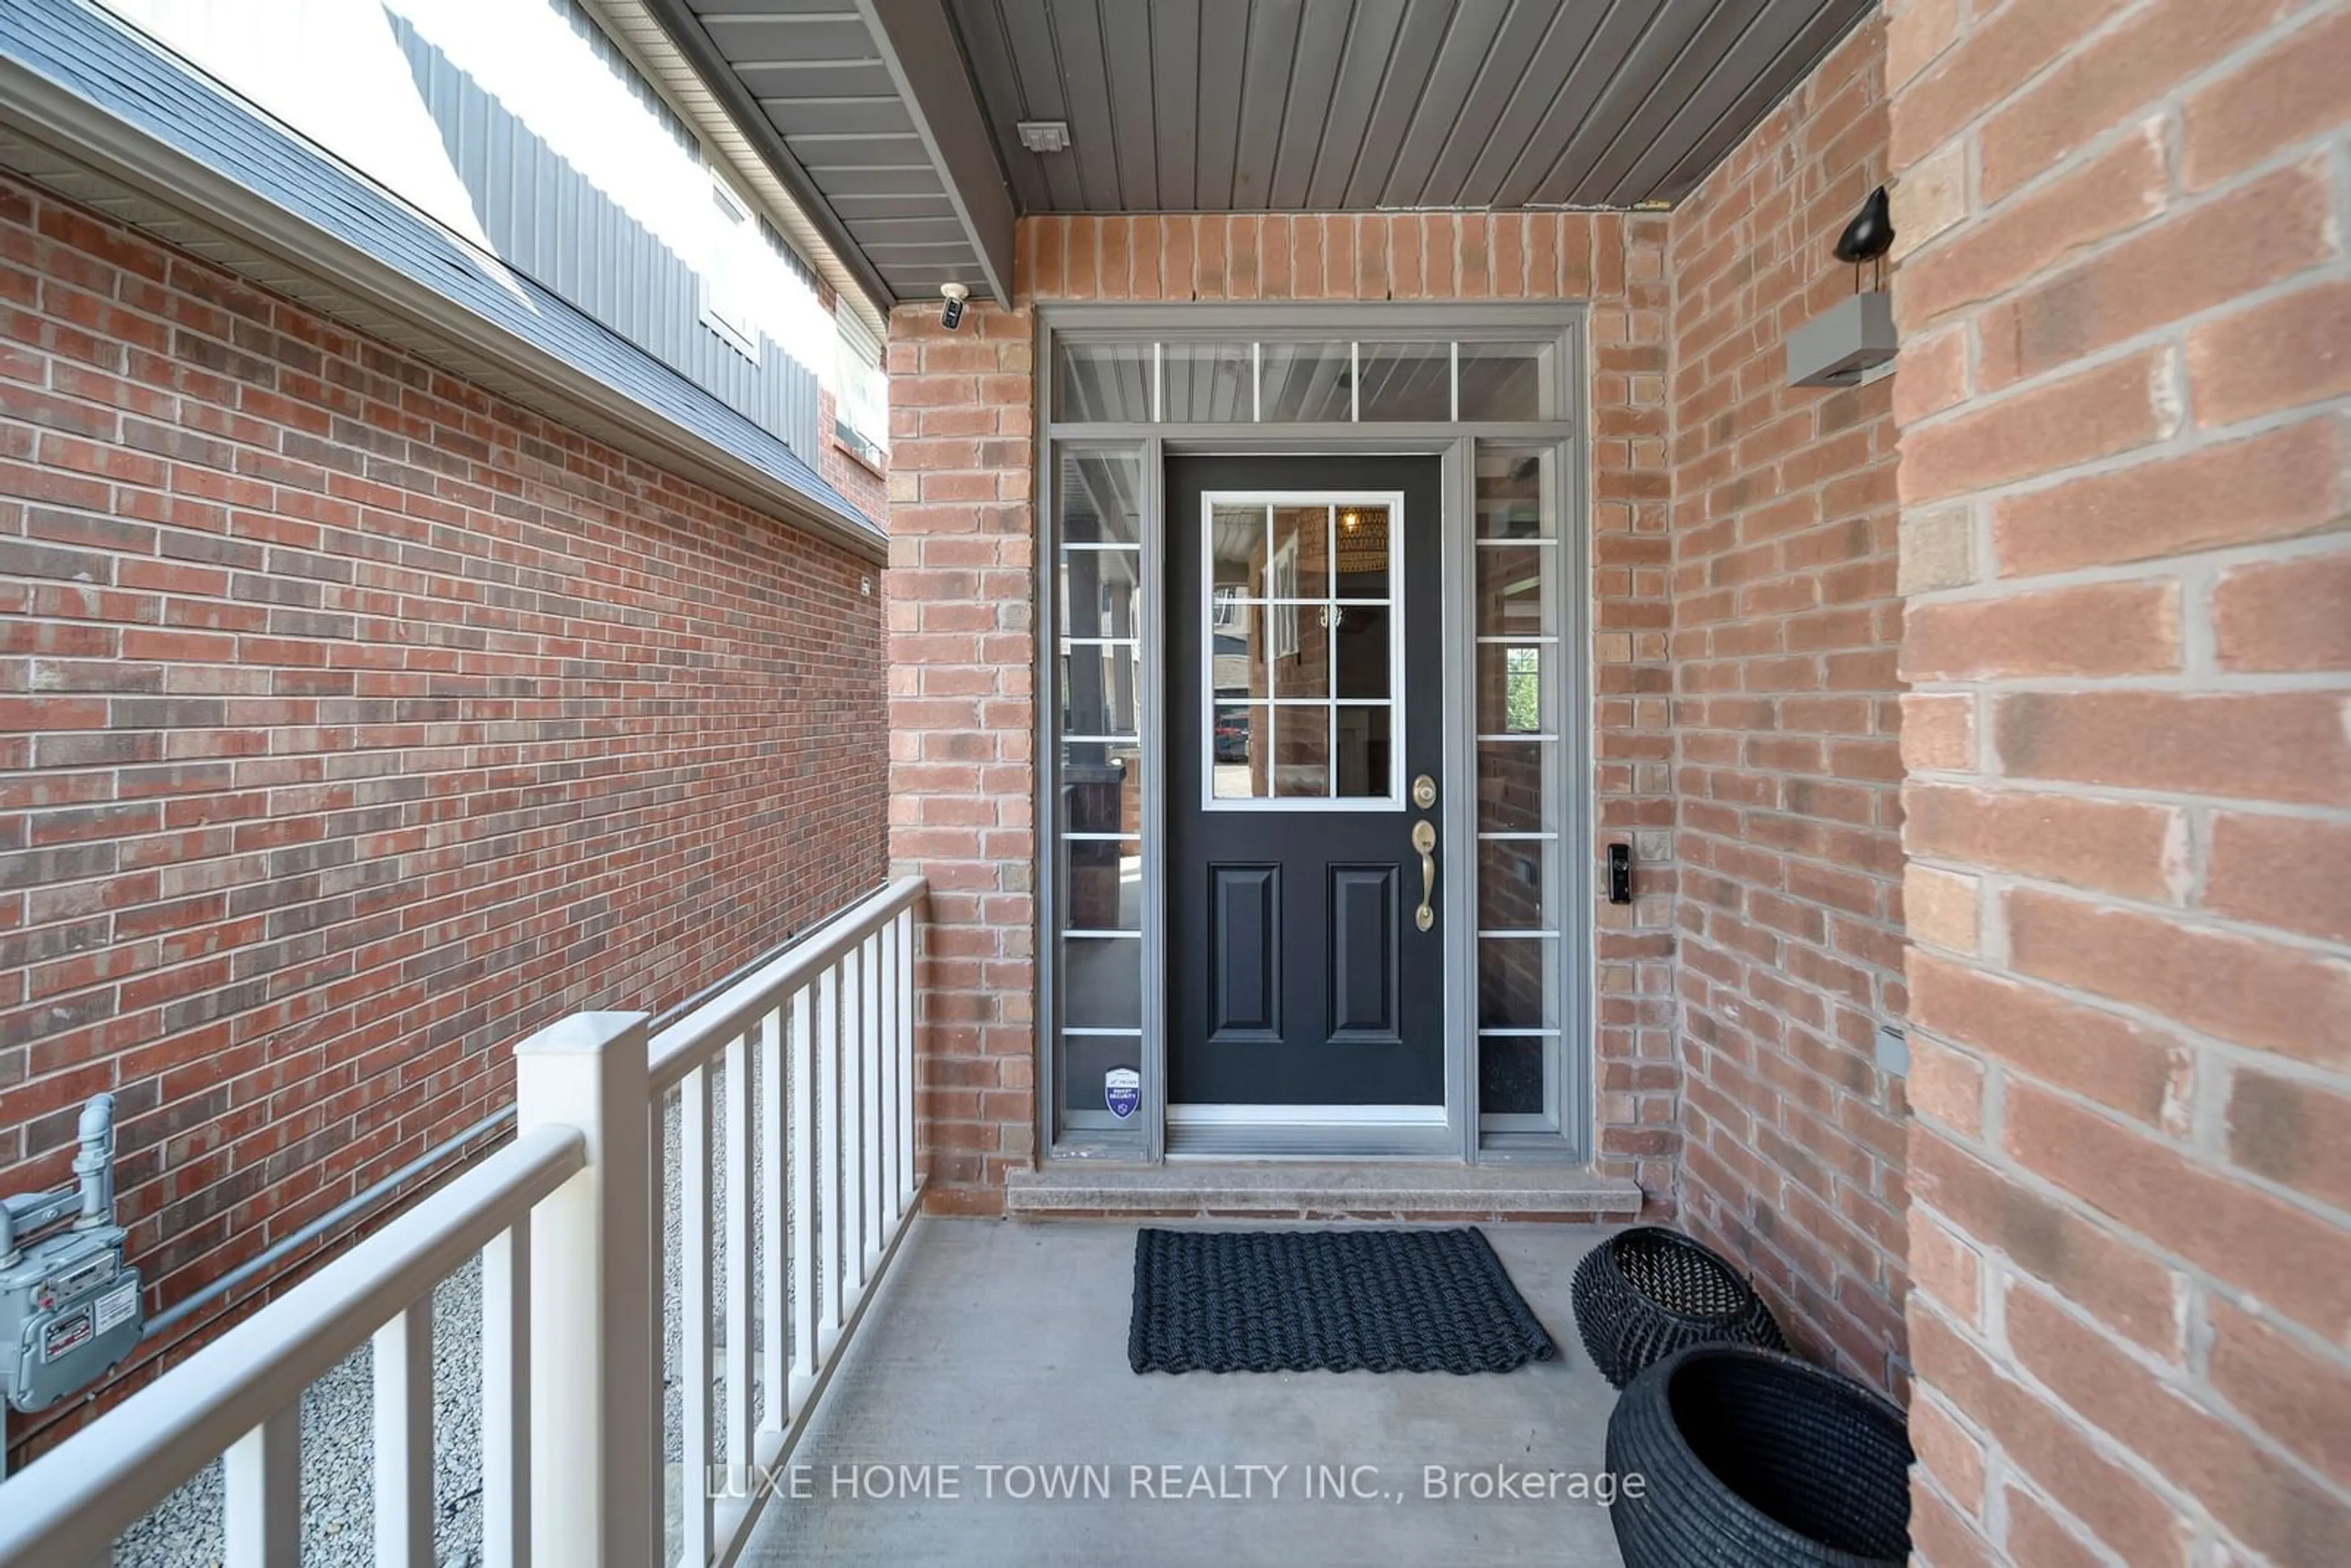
pixel 1785 714
pixel 2123 461
pixel 962 590
pixel 353 725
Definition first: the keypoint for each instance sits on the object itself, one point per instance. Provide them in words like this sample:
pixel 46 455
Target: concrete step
pixel 1302 1189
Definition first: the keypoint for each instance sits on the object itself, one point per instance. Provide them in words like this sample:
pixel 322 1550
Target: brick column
pixel 2127 368
pixel 961 600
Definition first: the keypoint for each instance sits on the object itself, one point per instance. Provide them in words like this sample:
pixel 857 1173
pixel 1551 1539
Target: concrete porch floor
pixel 1004 1343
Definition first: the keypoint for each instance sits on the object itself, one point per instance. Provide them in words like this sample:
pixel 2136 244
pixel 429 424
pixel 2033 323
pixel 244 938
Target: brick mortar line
pixel 2187 434
pixel 2115 1449
pixel 2172 100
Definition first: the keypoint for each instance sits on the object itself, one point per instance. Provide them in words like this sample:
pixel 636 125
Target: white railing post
pixel 594 1426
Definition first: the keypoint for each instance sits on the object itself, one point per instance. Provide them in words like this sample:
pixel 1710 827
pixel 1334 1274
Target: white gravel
pixel 184 1530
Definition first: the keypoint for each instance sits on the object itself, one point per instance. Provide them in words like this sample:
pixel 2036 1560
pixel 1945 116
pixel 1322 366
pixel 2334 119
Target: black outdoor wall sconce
pixel 1854 341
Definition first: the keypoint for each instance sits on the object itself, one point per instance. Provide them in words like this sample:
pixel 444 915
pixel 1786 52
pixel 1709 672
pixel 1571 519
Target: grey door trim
pixel 1574 1067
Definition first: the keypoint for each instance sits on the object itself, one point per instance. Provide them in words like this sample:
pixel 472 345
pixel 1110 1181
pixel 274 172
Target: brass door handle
pixel 1424 838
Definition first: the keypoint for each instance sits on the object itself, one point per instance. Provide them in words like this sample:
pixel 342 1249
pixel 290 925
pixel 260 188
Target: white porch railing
pixel 810 1058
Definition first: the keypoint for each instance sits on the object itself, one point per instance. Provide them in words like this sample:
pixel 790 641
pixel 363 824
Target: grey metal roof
pixel 83 59
pixel 1251 105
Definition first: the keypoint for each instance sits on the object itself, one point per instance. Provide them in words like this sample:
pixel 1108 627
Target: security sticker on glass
pixel 1123 1091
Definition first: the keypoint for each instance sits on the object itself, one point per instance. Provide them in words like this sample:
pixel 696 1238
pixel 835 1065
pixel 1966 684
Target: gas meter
pixel 69 1309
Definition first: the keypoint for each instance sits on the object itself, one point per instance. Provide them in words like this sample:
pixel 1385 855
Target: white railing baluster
pixel 803 1158
pixel 261 1491
pixel 694 1336
pixel 884 1181
pixel 869 1051
pixel 828 1163
pixel 739 1362
pixel 775 1250
pixel 852 1116
pixel 910 1130
pixel 505 1397
pixel 403 1439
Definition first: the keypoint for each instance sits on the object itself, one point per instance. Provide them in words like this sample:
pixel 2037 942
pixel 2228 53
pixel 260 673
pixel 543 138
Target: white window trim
pixel 740 336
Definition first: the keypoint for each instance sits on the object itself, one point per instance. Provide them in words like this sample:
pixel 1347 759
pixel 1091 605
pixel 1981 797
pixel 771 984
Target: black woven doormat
pixel 1336 1301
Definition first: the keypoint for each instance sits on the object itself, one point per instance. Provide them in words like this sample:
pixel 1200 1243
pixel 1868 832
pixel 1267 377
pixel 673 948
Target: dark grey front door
pixel 1305 669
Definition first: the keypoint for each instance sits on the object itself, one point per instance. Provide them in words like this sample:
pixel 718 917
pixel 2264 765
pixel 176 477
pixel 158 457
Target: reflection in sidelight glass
pixel 1514 779
pixel 1101 786
pixel 1511 1072
pixel 1101 885
pixel 1513 686
pixel 1098 498
pixel 1516 885
pixel 1513 590
pixel 1101 982
pixel 1516 982
pixel 1516 487
pixel 1098 687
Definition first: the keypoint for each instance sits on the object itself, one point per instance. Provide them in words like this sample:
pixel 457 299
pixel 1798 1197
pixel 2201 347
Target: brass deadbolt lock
pixel 1424 791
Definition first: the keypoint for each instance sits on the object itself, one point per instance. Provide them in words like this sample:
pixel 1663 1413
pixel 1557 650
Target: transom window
pixel 1337 381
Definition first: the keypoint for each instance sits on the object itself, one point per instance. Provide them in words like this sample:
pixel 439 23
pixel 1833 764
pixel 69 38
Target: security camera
pixel 951 313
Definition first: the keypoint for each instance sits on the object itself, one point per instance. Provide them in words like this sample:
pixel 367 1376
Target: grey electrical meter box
pixel 68 1311
pixel 69 1307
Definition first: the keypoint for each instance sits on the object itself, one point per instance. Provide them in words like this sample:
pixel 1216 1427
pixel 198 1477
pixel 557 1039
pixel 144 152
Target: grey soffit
pixel 865 110
pixel 1327 105
pixel 96 110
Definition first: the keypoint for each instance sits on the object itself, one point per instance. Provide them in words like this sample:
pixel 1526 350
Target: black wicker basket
pixel 1752 1459
pixel 1645 1292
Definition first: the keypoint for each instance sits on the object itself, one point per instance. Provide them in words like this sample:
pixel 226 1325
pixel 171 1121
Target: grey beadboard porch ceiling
pixel 899 116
